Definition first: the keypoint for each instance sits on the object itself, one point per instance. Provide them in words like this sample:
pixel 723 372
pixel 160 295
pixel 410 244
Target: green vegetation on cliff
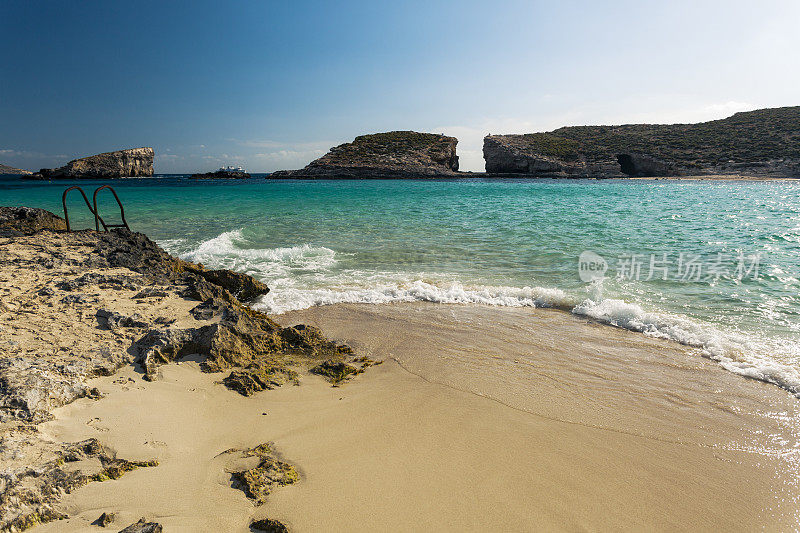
pixel 747 137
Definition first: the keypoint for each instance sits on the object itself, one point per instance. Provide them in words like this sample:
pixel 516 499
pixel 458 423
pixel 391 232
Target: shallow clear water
pixel 501 242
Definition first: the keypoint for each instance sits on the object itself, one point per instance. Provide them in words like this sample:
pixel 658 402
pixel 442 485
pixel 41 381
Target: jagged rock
pixel 133 162
pixel 104 281
pixel 257 378
pixel 151 292
pixel 114 320
pixel 270 472
pixel 754 143
pixel 339 371
pixel 31 388
pixel 395 154
pixel 208 309
pixel 242 338
pixel 143 526
pixel 242 286
pixel 28 494
pixel 268 525
pixel 105 519
pixel 16 221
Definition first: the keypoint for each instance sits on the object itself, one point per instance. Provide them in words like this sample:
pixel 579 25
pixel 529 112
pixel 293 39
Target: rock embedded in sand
pixel 143 526
pixel 132 162
pixel 105 519
pixel 258 482
pixel 268 525
pixel 29 494
pixel 114 320
pixel 338 372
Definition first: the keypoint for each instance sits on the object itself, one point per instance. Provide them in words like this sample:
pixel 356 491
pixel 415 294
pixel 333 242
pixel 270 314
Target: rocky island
pixel 394 154
pixel 221 174
pixel 133 162
pixel 764 142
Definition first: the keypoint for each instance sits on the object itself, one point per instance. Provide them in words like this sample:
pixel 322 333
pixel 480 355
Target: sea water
pixel 714 265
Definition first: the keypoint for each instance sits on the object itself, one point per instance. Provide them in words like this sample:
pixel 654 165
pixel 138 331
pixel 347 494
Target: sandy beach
pixel 480 418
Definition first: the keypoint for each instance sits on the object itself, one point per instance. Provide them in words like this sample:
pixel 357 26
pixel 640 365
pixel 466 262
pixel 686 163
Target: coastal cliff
pixel 133 162
pixel 765 142
pixel 394 154
pixel 5 169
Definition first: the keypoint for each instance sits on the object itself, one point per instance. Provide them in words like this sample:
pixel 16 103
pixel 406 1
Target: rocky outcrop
pixel 143 526
pixel 80 305
pixel 15 221
pixel 134 162
pixel 395 154
pixel 221 175
pixel 755 143
pixel 5 169
pixel 29 494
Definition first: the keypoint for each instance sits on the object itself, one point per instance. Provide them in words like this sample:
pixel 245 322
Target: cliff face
pixel 5 169
pixel 395 154
pixel 134 162
pixel 763 142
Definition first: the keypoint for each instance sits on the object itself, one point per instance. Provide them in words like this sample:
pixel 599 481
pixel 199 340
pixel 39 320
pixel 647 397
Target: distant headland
pixel 755 144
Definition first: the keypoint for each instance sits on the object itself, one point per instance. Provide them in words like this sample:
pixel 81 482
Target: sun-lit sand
pixel 479 419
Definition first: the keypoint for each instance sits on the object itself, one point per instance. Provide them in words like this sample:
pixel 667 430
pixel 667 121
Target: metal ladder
pixel 97 218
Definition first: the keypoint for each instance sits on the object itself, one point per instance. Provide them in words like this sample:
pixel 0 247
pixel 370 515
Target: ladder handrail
pixel 85 199
pixel 97 215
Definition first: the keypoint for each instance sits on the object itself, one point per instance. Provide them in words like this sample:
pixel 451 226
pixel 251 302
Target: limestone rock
pixel 28 494
pixel 268 525
pixel 143 526
pixel 105 519
pixel 270 472
pixel 395 154
pixel 16 221
pixel 114 320
pixel 133 162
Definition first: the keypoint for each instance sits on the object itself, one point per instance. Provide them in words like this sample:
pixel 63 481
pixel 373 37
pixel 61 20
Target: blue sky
pixel 273 85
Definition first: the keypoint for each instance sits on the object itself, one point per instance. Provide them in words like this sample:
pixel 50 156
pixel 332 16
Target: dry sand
pixel 481 418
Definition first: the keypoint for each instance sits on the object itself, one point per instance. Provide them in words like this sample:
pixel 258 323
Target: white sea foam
pixel 304 276
pixel 229 250
pixel 740 354
pixel 290 299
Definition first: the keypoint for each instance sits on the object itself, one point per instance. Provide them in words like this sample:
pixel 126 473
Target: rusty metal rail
pixel 98 220
pixel 97 216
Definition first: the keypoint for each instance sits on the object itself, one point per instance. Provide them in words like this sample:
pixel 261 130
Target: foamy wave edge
pixel 735 353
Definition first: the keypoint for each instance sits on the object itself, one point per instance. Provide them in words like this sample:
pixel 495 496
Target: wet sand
pixel 480 418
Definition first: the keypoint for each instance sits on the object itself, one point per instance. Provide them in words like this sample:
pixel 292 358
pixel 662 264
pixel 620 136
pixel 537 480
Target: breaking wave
pixel 305 276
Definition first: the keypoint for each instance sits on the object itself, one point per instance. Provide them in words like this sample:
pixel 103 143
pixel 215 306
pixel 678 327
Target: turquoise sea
pixel 730 251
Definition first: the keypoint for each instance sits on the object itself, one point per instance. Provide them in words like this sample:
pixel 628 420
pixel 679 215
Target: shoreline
pixel 641 449
pixel 137 384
